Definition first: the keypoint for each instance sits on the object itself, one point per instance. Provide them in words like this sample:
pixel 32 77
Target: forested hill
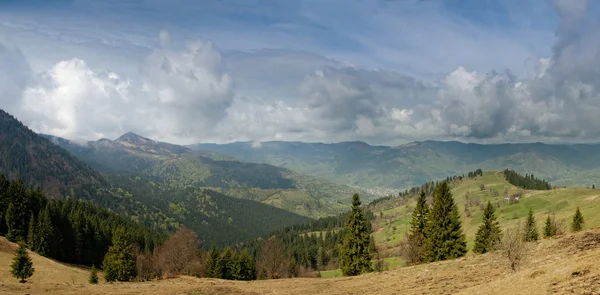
pixel 39 162
pixel 407 165
pixel 149 202
pixel 179 167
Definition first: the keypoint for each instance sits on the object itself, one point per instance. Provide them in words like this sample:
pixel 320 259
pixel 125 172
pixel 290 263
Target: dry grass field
pixel 563 265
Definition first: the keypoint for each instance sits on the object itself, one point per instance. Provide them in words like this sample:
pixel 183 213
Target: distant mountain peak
pixel 133 138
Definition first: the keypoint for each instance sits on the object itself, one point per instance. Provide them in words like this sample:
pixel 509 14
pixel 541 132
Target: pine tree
pixel 549 230
pixel 445 238
pixel 93 275
pixel 245 267
pixel 489 233
pixel 578 221
pixel 355 256
pixel 31 235
pixel 531 232
pixel 213 265
pixel 120 259
pixel 45 231
pixel 418 226
pixel 12 234
pixel 227 264
pixel 22 266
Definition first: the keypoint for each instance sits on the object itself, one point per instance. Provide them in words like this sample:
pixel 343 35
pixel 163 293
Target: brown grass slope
pixel 564 265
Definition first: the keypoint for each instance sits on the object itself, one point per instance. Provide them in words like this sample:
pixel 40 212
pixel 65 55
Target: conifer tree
pixel 213 265
pixel 418 226
pixel 578 221
pixel 45 231
pixel 10 218
pixel 445 238
pixel 489 233
pixel 227 264
pixel 531 232
pixel 355 256
pixel 549 230
pixel 244 269
pixel 31 235
pixel 22 266
pixel 120 259
pixel 93 275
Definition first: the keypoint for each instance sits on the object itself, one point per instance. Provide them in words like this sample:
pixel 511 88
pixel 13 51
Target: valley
pixel 384 168
pixel 236 204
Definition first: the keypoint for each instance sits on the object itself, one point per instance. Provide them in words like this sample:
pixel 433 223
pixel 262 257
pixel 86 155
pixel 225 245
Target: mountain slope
pixel 219 218
pixel 565 265
pixel 363 165
pixel 180 167
pixel 39 162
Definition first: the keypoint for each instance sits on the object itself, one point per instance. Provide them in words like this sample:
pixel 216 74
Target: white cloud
pixel 199 93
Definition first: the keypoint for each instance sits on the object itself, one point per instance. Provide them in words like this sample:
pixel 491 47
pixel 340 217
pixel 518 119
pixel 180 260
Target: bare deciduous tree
pixel 180 254
pixel 513 247
pixel 272 262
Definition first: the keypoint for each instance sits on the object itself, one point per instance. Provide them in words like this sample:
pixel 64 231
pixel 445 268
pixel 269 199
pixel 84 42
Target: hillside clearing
pixel 565 265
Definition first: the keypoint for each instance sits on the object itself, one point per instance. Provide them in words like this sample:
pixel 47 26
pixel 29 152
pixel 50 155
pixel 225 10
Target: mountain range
pixel 386 169
pixel 179 167
pixel 153 202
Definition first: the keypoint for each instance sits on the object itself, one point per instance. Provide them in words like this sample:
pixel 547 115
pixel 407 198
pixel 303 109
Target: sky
pixel 385 72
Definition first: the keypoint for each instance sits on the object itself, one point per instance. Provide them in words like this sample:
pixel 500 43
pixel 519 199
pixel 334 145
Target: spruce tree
pixel 11 223
pixel 120 258
pixel 213 265
pixel 531 232
pixel 355 256
pixel 22 266
pixel 549 230
pixel 418 226
pixel 31 234
pixel 489 233
pixel 227 264
pixel 445 238
pixel 45 232
pixel 245 268
pixel 578 221
pixel 93 275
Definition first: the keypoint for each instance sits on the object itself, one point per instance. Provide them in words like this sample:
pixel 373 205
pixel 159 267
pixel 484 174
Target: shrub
pixel 513 247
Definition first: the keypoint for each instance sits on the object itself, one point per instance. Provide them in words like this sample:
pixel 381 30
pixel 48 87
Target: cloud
pixel 179 94
pixel 315 80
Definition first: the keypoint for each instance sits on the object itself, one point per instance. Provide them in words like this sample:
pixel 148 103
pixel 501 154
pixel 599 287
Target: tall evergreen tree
pixel 418 226
pixel 244 267
pixel 549 230
pixel 31 235
pixel 121 258
pixel 578 221
pixel 10 218
pixel 355 256
pixel 489 233
pixel 445 238
pixel 45 232
pixel 531 232
pixel 18 212
pixel 227 264
pixel 22 266
pixel 213 265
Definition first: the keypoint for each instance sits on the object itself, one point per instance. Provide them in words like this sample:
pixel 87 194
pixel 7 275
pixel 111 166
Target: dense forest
pixel 68 230
pixel 526 182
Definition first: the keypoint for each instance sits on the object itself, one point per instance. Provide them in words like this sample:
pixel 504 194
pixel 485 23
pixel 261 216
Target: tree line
pixel 526 182
pixel 72 231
